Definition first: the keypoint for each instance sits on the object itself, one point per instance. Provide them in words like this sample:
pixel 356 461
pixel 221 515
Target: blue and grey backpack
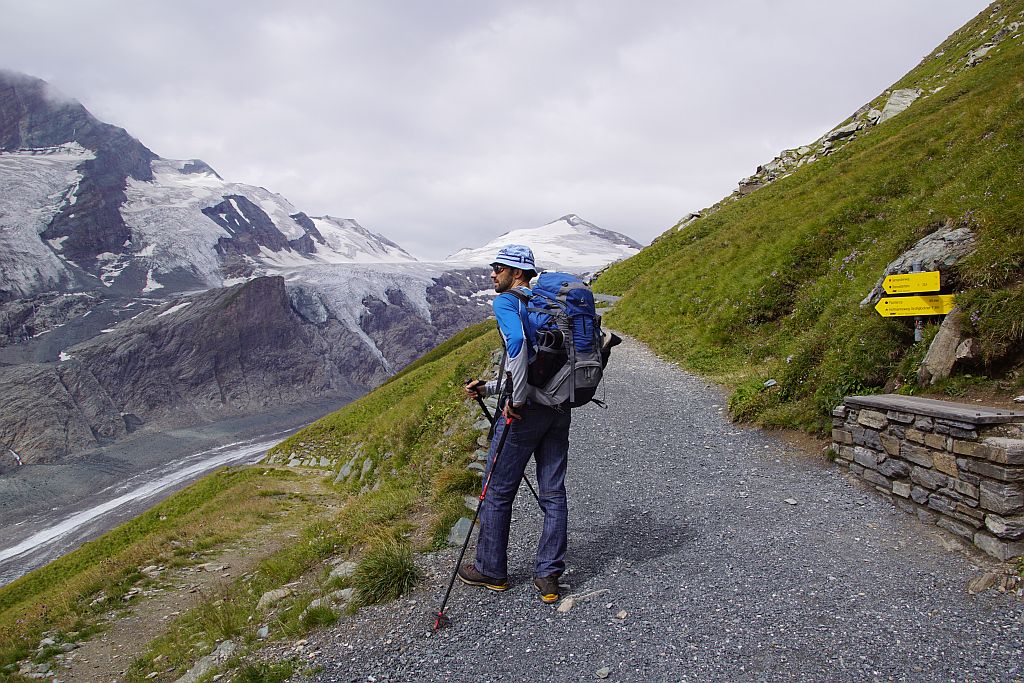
pixel 568 347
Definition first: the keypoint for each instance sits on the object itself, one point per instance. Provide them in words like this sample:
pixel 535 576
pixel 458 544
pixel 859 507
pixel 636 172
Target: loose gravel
pixel 692 566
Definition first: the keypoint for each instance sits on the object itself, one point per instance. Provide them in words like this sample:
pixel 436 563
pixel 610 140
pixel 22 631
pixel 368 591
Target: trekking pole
pixel 490 418
pixel 441 620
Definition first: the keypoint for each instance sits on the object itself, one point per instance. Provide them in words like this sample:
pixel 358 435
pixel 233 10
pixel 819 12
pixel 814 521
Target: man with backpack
pixel 537 427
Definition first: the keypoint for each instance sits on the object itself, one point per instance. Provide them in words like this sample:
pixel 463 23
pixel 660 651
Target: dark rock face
pixel 22 319
pixel 31 115
pixel 308 304
pixel 249 226
pixel 199 166
pixel 219 354
pixel 307 224
pixel 53 409
pixel 401 333
pixel 452 306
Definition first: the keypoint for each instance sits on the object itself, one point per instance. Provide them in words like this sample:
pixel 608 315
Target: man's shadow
pixel 635 535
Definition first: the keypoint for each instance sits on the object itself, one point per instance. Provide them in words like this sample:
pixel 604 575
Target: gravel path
pixel 680 519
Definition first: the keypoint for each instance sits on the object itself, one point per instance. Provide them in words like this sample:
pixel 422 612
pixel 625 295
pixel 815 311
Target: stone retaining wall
pixel 955 465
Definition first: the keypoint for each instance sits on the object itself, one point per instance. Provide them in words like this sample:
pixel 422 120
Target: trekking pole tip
pixel 440 621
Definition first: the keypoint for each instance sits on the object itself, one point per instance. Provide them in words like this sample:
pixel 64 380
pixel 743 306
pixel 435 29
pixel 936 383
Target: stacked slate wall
pixel 958 466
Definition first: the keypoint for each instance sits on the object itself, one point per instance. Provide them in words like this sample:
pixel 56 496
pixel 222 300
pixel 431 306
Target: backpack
pixel 564 333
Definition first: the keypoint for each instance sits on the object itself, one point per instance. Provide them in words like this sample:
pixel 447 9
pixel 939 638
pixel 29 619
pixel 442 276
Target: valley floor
pixel 699 551
pixel 35 498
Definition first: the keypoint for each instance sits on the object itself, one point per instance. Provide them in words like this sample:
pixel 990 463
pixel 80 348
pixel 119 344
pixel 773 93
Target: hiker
pixel 535 429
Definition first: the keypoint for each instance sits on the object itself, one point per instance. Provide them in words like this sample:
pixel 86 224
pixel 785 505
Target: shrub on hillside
pixel 386 573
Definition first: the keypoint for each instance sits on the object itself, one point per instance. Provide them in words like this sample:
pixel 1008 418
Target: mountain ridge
pixel 125 218
pixel 183 234
pixel 565 243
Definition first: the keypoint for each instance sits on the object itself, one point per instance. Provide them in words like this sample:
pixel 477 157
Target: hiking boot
pixel 471 577
pixel 548 588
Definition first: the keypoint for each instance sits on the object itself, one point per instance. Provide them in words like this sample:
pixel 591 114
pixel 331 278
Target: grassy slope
pixel 769 286
pixel 417 428
pixel 62 596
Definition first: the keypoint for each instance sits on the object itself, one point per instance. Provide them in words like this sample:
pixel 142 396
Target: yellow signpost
pixel 934 304
pixel 905 283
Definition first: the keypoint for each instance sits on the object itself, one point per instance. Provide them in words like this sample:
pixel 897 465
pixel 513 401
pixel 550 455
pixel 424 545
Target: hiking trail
pixel 701 550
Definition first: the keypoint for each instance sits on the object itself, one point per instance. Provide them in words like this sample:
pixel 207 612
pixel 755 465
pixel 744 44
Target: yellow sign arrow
pixel 911 282
pixel 934 304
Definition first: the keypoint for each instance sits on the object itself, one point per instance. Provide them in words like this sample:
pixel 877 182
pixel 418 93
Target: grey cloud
pixel 443 124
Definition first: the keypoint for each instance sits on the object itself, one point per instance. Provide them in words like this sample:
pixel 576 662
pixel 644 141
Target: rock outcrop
pixel 32 115
pixel 225 352
pixel 938 251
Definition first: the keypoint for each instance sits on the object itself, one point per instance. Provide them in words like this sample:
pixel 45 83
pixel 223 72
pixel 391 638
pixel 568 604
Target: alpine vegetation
pixel 771 290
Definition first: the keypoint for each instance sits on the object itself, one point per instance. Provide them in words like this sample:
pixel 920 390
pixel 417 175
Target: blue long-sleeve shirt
pixel 510 313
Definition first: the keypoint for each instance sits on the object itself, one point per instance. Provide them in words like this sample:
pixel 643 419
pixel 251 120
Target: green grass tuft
pixel 321 615
pixel 386 572
pixel 265 673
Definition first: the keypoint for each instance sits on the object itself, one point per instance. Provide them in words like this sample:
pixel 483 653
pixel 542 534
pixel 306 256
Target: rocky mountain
pixel 568 243
pixel 225 352
pixel 138 292
pixel 83 205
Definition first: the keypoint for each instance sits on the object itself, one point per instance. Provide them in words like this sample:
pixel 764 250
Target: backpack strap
pixel 523 295
pixel 518 293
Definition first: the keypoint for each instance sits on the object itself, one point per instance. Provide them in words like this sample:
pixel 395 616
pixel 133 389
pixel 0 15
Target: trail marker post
pixel 916 304
pixel 911 283
pixel 936 304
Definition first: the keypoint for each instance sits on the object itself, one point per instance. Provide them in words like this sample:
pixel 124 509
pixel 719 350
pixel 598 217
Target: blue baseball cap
pixel 516 256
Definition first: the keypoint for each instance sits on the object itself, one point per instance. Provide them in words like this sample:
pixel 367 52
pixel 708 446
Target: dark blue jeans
pixel 544 433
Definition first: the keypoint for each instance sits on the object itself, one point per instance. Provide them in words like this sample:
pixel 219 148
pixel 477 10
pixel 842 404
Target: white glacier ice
pixel 34 185
pixel 171 232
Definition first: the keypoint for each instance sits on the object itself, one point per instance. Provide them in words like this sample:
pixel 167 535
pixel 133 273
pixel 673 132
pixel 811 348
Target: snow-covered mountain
pixel 83 205
pixel 188 219
pixel 138 292
pixel 34 184
pixel 569 243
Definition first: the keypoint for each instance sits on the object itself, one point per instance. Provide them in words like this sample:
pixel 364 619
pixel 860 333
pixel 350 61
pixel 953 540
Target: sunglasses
pixel 498 269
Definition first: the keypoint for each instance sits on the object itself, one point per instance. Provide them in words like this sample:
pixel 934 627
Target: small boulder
pixel 343 597
pixel 222 654
pixel 898 102
pixel 844 131
pixel 343 569
pixel 942 353
pixel 460 531
pixel 273 597
pixel 938 251
pixel 975 56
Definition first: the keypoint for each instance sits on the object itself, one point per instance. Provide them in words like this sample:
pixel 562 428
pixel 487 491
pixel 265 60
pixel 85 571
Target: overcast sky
pixel 442 124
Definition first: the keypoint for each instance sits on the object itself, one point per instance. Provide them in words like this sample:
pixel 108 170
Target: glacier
pixel 35 184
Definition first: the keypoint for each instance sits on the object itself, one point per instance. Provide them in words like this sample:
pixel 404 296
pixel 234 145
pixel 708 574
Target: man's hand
pixel 474 388
pixel 511 411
